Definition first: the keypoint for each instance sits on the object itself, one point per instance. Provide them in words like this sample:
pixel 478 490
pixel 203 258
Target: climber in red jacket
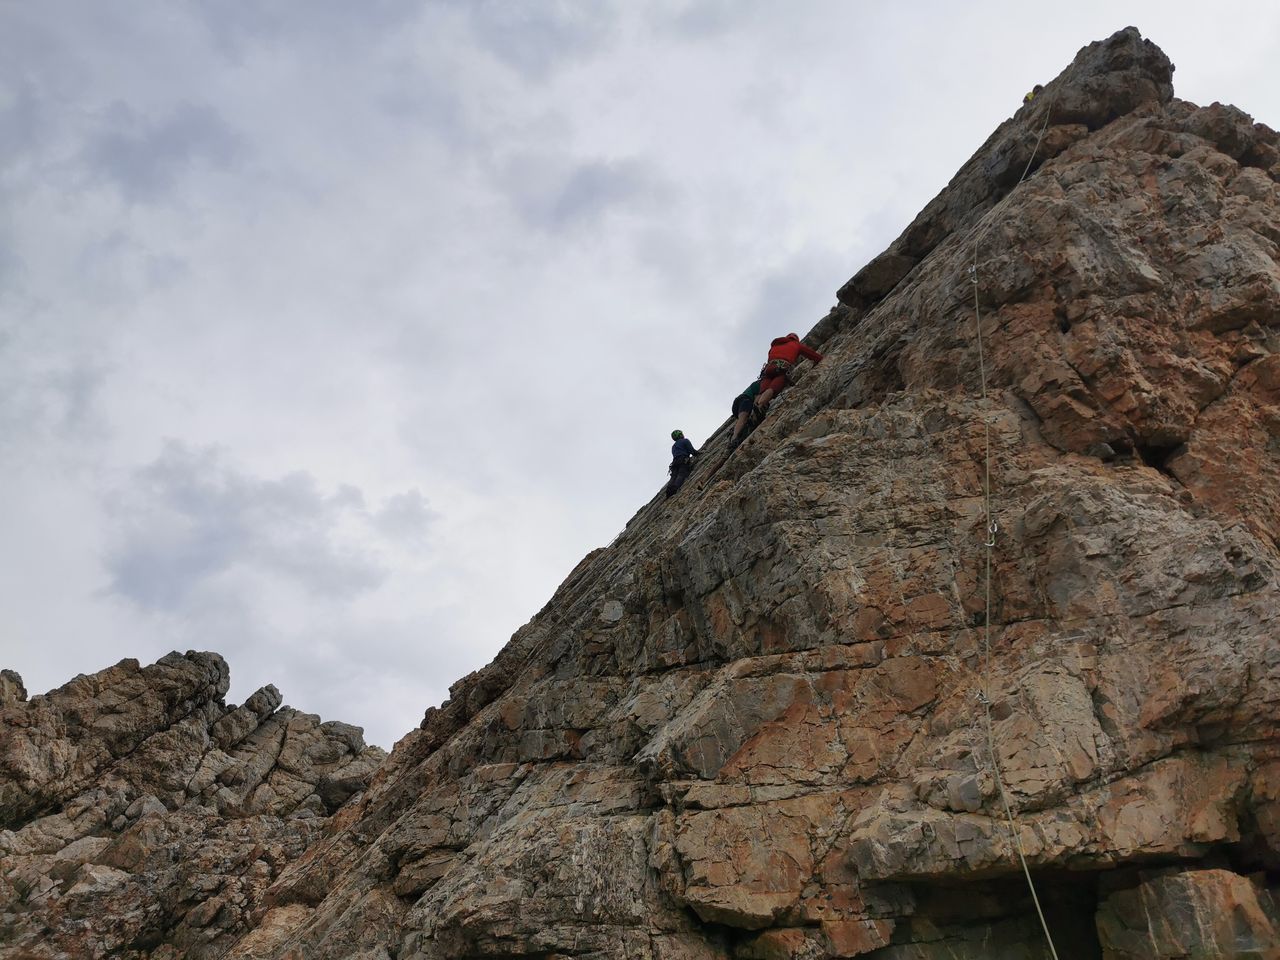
pixel 784 353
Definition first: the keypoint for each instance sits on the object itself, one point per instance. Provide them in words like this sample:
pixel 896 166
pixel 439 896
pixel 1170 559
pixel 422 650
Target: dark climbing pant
pixel 755 417
pixel 679 474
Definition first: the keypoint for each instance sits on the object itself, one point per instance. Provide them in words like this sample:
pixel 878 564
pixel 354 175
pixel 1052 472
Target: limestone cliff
pixel 756 725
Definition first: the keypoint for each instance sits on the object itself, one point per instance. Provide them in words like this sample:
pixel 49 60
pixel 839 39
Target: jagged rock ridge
pixel 749 728
pixel 148 817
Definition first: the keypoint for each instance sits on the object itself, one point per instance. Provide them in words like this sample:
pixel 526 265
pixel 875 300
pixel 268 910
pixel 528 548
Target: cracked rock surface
pixel 146 817
pixel 755 725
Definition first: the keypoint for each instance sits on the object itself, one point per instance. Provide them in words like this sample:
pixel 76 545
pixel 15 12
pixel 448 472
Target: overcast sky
pixel 334 333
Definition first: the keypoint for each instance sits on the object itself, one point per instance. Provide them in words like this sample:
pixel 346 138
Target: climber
pixel 682 454
pixel 784 353
pixel 746 416
pixel 1031 94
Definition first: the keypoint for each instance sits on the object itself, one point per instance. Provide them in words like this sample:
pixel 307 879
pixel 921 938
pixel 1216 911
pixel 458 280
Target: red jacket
pixel 790 349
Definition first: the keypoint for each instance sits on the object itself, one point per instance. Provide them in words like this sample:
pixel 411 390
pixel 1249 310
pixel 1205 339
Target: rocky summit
pixel 995 582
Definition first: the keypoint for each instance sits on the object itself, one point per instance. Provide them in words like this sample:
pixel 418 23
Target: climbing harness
pixel 778 366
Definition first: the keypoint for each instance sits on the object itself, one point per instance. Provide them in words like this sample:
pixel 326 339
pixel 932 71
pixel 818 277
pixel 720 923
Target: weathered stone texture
pixel 146 818
pixel 754 726
pixel 1190 913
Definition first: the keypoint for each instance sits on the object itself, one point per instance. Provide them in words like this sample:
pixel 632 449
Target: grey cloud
pixel 380 674
pixel 235 27
pixel 553 195
pixel 597 186
pixel 706 19
pixel 78 388
pixel 348 496
pixel 60 399
pixel 115 265
pixel 26 44
pixel 144 157
pixel 23 122
pixel 10 261
pixel 428 101
pixel 189 517
pixel 405 516
pixel 534 39
pixel 673 255
pixel 424 98
pixel 792 298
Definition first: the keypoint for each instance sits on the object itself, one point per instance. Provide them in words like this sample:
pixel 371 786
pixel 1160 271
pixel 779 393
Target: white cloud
pixel 554 195
pixel 536 41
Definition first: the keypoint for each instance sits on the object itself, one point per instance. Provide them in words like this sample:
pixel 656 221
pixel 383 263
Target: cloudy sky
pixel 333 333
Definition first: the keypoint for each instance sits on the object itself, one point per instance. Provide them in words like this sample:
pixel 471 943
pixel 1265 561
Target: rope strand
pixel 990 544
pixel 986 625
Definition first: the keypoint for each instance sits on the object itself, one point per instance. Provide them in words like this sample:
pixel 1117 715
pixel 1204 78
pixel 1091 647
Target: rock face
pixel 774 718
pixel 147 818
pixel 1188 913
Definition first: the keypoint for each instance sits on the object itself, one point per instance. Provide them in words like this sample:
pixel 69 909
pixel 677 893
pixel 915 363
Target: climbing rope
pixel 989 544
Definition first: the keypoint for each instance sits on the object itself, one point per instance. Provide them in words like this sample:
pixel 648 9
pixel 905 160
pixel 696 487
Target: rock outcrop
pixel 147 818
pixel 756 725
